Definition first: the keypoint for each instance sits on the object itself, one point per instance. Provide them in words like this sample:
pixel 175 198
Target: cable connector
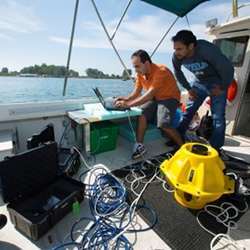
pixel 242 189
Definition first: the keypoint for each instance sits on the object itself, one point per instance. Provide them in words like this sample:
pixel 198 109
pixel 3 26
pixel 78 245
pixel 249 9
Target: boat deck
pixel 11 239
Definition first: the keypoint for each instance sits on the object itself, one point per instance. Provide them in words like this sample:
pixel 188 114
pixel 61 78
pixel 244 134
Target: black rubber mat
pixel 176 225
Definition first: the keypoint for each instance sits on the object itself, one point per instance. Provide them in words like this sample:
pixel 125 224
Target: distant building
pixel 28 75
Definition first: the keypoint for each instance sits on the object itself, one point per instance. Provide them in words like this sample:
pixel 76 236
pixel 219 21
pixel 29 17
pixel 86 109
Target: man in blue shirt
pixel 213 74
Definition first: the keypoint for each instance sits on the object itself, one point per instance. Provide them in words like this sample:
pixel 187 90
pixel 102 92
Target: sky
pixel 38 31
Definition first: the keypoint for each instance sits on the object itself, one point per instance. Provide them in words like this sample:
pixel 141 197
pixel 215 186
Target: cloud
pixel 18 18
pixel 6 37
pixel 146 31
pixel 80 43
pixel 133 34
pixel 221 10
pixel 141 33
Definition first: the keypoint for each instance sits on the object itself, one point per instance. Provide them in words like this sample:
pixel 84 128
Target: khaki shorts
pixel 163 110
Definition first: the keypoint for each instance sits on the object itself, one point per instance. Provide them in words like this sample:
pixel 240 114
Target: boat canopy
pixel 178 7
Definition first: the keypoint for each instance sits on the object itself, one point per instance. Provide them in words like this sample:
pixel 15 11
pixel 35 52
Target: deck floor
pixel 10 239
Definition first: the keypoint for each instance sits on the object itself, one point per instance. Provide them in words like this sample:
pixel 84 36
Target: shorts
pixel 163 110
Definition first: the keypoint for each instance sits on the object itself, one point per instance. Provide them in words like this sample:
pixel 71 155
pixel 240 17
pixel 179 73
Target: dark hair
pixel 185 36
pixel 144 56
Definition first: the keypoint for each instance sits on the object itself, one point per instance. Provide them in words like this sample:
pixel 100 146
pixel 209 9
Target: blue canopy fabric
pixel 178 7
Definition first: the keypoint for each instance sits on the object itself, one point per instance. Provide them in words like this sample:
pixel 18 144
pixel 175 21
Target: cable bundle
pixel 108 195
pixel 225 215
pixel 112 215
pixel 100 234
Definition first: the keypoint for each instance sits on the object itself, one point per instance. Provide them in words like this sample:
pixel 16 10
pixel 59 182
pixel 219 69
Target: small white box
pixel 6 144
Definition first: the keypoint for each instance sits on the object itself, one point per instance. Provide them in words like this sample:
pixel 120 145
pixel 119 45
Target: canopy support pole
pixel 70 48
pixel 119 23
pixel 235 8
pixel 110 40
pixel 188 23
pixel 164 36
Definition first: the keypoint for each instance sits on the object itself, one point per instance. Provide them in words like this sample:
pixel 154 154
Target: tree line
pixel 49 70
pixel 95 73
pixel 45 70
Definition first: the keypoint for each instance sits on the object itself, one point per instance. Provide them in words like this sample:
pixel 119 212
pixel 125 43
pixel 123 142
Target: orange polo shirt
pixel 161 79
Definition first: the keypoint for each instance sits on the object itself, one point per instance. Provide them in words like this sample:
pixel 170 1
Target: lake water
pixel 34 89
pixel 27 89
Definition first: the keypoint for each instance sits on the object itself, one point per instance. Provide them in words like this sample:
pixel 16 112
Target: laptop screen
pixel 99 96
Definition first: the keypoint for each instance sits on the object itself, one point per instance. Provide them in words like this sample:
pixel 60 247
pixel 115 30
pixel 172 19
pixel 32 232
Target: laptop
pixel 109 102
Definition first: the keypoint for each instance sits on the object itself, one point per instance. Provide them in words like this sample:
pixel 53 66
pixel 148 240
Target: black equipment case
pixel 38 198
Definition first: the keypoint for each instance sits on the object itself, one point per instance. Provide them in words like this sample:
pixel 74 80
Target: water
pixel 25 89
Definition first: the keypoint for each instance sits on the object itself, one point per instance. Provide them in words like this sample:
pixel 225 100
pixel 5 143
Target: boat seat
pixel 6 143
pixel 152 132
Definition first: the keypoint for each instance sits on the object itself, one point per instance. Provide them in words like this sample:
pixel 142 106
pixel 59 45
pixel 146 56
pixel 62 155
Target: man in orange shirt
pixel 161 98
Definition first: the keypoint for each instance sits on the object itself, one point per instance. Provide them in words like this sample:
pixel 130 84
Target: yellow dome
pixel 196 173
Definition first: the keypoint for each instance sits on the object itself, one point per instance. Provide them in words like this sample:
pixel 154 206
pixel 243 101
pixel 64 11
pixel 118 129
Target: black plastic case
pixel 38 198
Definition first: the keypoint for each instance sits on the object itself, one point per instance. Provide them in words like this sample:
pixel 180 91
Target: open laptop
pixel 109 102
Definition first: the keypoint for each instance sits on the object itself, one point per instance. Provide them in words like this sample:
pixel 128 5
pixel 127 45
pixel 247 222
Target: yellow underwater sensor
pixel 196 174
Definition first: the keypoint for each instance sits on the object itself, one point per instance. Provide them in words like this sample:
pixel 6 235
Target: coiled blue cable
pixel 107 197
